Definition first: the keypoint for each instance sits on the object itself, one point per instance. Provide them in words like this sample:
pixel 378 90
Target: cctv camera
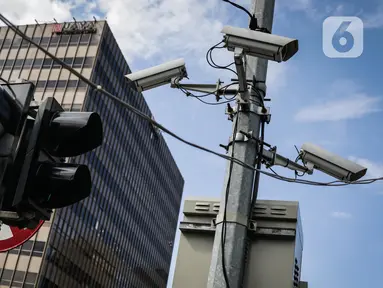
pixel 158 75
pixel 260 44
pixel 316 157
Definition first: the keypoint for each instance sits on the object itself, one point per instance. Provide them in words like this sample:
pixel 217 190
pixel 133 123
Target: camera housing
pixel 158 75
pixel 260 44
pixel 316 157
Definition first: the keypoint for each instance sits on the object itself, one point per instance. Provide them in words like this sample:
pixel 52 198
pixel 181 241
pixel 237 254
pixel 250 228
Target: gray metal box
pixel 275 256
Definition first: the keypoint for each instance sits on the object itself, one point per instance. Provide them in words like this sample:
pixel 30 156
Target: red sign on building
pixel 56 28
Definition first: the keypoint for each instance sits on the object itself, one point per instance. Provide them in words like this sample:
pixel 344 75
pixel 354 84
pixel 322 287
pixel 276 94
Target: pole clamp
pixel 232 218
pixel 236 218
pixel 259 110
pixel 239 137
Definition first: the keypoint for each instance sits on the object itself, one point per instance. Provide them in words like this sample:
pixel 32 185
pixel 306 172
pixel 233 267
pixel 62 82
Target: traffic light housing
pixel 44 180
pixel 15 99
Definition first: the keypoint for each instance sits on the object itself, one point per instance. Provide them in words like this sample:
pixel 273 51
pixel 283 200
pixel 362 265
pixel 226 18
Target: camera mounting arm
pixel 214 89
pixel 243 96
pixel 272 158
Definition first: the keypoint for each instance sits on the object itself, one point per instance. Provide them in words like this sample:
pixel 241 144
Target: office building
pixel 122 235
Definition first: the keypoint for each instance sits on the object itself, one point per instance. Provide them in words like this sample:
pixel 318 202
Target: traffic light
pixel 46 180
pixel 15 102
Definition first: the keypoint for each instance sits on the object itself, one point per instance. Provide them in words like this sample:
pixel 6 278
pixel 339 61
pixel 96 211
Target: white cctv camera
pixel 316 157
pixel 260 44
pixel 158 75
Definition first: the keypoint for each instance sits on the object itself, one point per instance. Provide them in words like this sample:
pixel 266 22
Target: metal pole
pixel 240 189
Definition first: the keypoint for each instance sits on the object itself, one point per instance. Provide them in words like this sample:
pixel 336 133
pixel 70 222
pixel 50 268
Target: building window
pixel 16 43
pixel 14 251
pixel 85 38
pixel 47 63
pixel 39 246
pixel 78 62
pixel 40 84
pixel 51 83
pixel 82 84
pixel 74 40
pixel 88 62
pixel 5 282
pixel 18 63
pixel 19 276
pixel 44 41
pixel 68 60
pixel 7 43
pixel 28 63
pixel 36 39
pixel 61 84
pixel 54 41
pixel 8 64
pixel 31 278
pixel 27 245
pixel 64 40
pixel 37 63
pixel 7 274
pixel 72 83
pixel 24 44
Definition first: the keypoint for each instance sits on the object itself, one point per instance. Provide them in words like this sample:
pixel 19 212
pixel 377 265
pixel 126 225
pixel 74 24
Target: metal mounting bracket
pixel 243 95
pixel 239 137
pixel 253 108
pixel 235 218
pixel 232 218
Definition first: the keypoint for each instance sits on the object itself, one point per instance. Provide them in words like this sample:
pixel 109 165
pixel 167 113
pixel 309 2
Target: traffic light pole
pixel 236 209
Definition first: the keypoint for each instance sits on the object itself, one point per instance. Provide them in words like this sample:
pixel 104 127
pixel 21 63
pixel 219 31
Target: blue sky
pixel 335 103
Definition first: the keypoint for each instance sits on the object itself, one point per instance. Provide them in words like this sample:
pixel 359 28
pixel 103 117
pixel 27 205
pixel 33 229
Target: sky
pixel 335 103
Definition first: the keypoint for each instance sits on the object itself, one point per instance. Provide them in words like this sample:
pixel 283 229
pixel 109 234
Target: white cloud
pixel 341 215
pixel 167 28
pixel 374 170
pixel 25 12
pixel 352 107
pixel 333 107
pixel 149 31
pixel 373 19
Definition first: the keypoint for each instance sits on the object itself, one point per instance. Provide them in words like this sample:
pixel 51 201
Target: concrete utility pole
pixel 241 183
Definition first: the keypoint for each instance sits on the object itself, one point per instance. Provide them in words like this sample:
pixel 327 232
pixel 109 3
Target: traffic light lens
pixel 75 133
pixel 60 185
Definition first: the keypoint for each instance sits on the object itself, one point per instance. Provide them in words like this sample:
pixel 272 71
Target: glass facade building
pixel 122 235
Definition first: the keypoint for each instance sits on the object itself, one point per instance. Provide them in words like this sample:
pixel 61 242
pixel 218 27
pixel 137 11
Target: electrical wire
pixel 167 131
pixel 223 231
pixel 259 165
pixel 239 7
pixel 188 93
pixel 210 51
pixel 210 61
pixel 115 98
pixel 218 103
